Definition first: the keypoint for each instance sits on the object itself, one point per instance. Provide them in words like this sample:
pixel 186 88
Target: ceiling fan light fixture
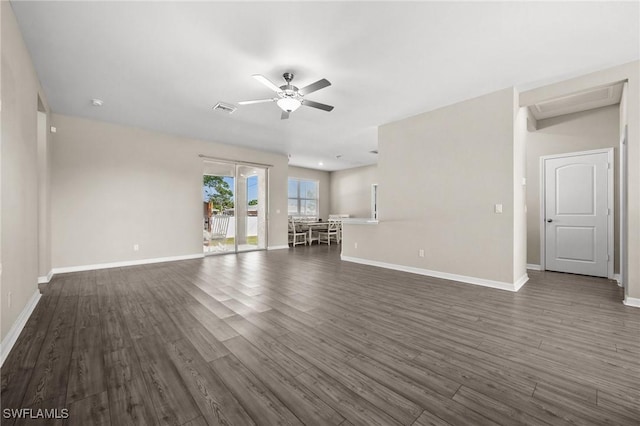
pixel 289 104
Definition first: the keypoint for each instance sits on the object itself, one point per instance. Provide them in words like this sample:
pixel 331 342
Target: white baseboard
pixel 445 275
pixel 284 246
pixel 533 267
pixel 15 330
pixel 522 281
pixel 66 269
pixel 46 279
pixel 632 301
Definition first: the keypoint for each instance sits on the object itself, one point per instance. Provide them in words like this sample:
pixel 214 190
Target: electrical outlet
pixel 9 300
pixel 421 252
pixel 355 245
pixel 136 247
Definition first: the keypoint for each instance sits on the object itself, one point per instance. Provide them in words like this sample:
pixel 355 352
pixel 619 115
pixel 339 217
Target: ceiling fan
pixel 290 98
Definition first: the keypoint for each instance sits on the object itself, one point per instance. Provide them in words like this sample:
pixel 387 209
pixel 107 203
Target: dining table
pixel 314 226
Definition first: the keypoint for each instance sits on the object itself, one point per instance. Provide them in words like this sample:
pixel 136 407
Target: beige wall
pixel 323 182
pixel 116 186
pixel 582 131
pixel 351 191
pixel 19 172
pixel 631 73
pixel 440 174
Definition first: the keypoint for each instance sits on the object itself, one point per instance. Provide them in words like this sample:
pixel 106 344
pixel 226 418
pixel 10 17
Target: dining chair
pixel 296 235
pixel 330 234
pixel 313 235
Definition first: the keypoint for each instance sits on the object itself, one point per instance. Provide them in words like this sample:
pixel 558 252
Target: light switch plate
pixel 498 208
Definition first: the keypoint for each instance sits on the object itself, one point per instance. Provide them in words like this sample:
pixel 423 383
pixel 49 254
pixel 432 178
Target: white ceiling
pixel 163 65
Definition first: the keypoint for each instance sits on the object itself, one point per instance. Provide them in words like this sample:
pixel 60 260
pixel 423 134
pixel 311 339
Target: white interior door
pixel 577 209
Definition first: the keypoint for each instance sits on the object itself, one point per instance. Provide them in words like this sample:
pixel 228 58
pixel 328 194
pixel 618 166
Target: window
pixel 303 197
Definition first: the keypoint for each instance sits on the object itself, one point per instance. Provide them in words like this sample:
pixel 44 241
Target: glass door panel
pixel 218 197
pixel 251 208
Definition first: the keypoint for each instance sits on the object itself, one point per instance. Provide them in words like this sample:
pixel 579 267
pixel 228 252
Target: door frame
pixel 610 204
pixel 235 164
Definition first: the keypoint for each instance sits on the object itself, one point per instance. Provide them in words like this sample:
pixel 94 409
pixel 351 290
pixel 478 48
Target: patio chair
pixel 219 228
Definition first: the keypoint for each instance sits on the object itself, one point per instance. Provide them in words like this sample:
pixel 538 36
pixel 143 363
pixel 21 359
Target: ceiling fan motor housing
pixel 287 77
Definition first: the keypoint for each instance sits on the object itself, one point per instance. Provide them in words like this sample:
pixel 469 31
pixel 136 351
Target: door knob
pixel 549 220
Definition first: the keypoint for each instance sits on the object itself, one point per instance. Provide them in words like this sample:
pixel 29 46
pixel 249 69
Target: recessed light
pixel 320 163
pixel 97 102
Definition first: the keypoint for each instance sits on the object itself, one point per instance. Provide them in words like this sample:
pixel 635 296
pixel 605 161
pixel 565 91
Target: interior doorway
pixel 234 198
pixel 577 213
pixel 587 120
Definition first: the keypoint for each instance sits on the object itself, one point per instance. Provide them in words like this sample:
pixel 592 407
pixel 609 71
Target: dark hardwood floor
pixel 299 337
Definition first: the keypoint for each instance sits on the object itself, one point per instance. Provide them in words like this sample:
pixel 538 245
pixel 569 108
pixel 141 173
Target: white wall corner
pixel 500 285
pixel 45 279
pixel 284 246
pixel 15 330
pixel 80 268
pixel 533 267
pixel 522 281
pixel 632 301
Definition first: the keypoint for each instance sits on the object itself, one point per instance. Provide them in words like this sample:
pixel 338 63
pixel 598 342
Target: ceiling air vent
pixel 221 106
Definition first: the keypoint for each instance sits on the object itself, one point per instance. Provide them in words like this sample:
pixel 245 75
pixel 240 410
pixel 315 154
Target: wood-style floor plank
pixel 18 368
pixel 86 370
pixel 300 399
pixel 51 371
pixel 264 407
pixel 428 419
pixel 129 400
pixel 356 409
pixel 93 410
pixel 171 398
pixel 216 403
pixel 333 366
pixel 297 337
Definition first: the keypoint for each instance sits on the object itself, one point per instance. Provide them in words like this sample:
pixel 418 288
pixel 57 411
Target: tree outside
pixel 218 193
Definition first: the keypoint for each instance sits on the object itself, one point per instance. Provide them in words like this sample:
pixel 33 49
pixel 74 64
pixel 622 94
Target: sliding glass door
pixel 234 207
pixel 251 208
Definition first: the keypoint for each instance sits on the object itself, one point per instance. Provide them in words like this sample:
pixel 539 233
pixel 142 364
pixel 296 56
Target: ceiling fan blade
pixel 285 115
pixel 320 84
pixel 264 80
pixel 318 105
pixel 257 101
